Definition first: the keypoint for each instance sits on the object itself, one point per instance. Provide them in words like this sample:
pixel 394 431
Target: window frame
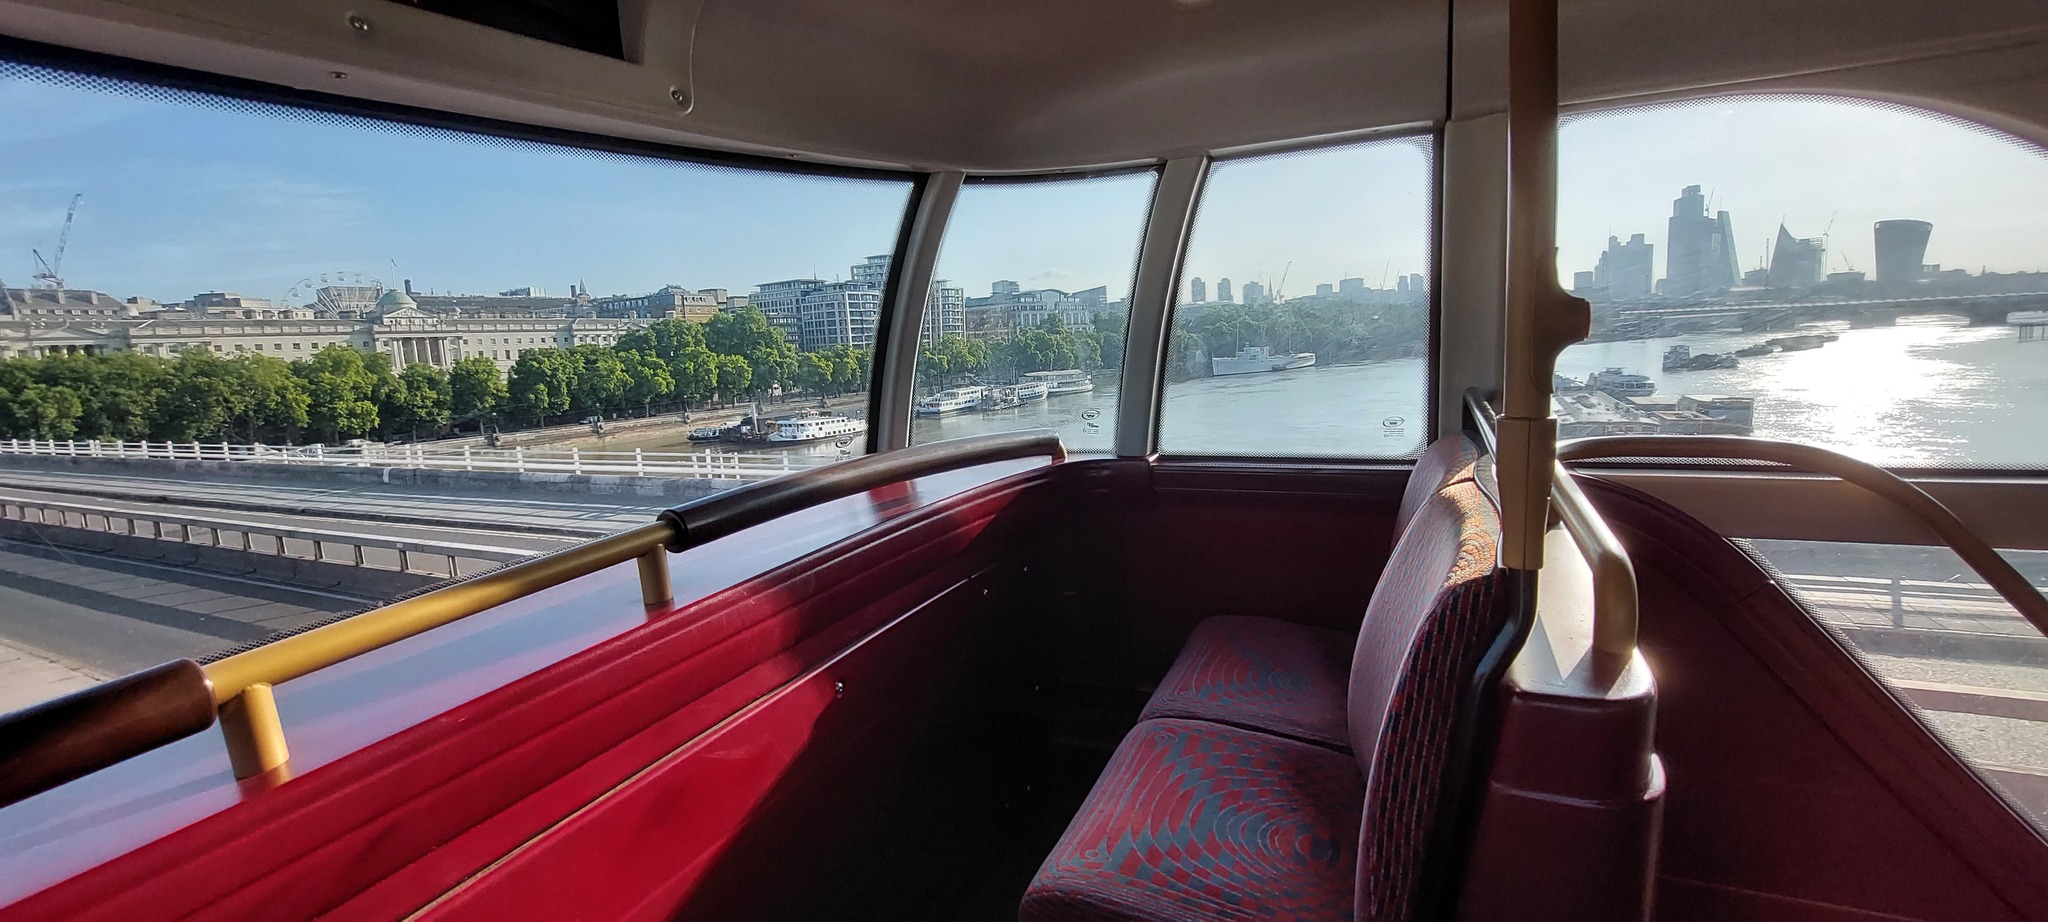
pixel 930 244
pixel 1433 306
pixel 194 87
pixel 1998 479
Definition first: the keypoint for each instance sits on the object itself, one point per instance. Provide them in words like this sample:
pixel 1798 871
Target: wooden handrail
pixel 51 743
pixel 1979 555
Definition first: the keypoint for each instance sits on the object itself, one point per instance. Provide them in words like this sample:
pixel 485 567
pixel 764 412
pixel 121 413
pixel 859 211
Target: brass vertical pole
pixel 254 733
pixel 1541 317
pixel 655 589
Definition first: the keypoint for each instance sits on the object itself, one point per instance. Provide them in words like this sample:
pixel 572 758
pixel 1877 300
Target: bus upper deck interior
pixel 1147 460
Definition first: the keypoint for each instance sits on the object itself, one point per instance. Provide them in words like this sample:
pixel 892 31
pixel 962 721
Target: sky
pixel 1821 167
pixel 182 198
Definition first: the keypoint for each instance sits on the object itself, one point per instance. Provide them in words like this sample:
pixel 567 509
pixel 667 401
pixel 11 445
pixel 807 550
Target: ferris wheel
pixel 335 293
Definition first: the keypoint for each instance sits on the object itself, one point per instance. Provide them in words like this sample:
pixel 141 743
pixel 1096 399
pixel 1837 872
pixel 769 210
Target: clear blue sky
pixel 1820 166
pixel 181 199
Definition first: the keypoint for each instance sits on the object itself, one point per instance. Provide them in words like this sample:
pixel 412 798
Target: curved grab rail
pixel 1616 612
pixel 1978 555
pixel 54 742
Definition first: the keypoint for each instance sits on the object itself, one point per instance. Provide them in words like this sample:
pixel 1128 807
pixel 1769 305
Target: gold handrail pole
pixel 255 735
pixel 1541 317
pixel 242 683
pixel 655 588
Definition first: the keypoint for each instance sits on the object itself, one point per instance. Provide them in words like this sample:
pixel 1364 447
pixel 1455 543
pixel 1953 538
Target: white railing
pixel 713 465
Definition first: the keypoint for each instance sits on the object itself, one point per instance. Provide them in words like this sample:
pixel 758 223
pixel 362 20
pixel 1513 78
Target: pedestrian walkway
pixel 29 676
pixel 102 616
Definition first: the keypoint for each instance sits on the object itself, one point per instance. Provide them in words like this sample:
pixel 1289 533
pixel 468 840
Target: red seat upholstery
pixel 1282 677
pixel 1195 820
pixel 1260 674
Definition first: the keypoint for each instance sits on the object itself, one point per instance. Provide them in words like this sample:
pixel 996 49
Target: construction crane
pixel 53 269
pixel 1279 291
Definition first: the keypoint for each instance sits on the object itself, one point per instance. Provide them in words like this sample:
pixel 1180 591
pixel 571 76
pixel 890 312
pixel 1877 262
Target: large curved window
pixel 1866 277
pixel 1869 278
pixel 1302 323
pixel 431 351
pixel 1024 324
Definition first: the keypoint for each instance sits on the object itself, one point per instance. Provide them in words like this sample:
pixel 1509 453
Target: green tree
pixel 695 374
pixel 342 389
pixel 275 404
pixel 665 339
pixel 542 383
pixel 476 391
pixel 427 402
pixel 814 371
pixel 601 379
pixel 735 378
pixel 43 411
pixel 747 334
pixel 648 379
pixel 201 395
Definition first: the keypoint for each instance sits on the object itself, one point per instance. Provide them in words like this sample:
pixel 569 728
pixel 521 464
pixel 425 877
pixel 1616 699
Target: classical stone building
pixel 397 327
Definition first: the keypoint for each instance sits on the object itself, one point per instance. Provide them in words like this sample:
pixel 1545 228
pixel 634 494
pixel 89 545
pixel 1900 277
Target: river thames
pixel 1927 391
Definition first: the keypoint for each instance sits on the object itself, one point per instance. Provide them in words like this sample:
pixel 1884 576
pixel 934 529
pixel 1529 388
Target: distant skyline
pixel 182 199
pixel 1811 164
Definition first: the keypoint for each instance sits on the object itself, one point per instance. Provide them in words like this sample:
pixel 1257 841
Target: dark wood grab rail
pixel 45 745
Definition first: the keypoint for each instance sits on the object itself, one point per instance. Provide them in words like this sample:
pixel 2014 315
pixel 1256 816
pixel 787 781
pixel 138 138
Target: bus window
pixel 1869 278
pixel 1024 324
pixel 1302 322
pixel 262 309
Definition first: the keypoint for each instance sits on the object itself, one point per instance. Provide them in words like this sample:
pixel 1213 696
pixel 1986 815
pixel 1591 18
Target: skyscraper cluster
pixel 1701 248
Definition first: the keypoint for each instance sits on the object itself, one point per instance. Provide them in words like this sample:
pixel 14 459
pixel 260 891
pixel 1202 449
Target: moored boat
pixel 811 426
pixel 1063 381
pixel 954 400
pixel 1621 384
pixel 1257 360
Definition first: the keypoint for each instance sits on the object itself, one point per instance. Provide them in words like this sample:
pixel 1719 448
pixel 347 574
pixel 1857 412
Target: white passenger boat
pixel 955 400
pixel 1259 359
pixel 1621 383
pixel 813 427
pixel 1063 381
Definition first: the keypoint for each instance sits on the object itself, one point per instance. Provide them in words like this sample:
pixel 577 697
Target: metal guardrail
pixel 51 743
pixel 159 526
pixel 709 465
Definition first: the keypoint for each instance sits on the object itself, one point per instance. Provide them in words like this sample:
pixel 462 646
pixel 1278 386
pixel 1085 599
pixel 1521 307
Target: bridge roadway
pixel 70 618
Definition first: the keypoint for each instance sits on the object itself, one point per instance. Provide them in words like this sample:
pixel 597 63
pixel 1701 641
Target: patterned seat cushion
pixel 1193 820
pixel 1285 678
pixel 1261 674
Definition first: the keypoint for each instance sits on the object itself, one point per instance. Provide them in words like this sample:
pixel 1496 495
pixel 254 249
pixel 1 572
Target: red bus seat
pixel 1198 820
pixel 1278 676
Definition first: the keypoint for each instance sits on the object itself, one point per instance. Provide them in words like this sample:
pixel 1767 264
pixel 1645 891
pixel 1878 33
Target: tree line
pixel 1336 328
pixel 342 393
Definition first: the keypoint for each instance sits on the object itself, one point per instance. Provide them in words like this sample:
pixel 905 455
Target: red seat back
pixel 1438 624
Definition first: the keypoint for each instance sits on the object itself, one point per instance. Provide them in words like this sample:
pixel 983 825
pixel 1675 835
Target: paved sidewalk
pixel 28 676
